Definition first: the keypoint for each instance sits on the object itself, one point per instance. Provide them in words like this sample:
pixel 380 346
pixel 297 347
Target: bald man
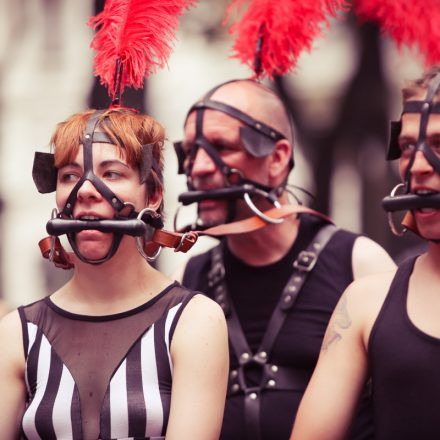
pixel 237 154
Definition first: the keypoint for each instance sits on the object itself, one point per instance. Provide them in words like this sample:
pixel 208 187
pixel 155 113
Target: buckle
pixel 306 261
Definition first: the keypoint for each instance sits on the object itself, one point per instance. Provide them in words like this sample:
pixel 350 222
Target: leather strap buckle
pixel 306 261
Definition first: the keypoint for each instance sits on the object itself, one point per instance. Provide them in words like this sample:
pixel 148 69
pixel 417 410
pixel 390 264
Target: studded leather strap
pixel 272 376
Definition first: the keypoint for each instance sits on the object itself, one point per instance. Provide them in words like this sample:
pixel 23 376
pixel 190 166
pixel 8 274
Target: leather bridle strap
pixel 254 223
pixel 272 376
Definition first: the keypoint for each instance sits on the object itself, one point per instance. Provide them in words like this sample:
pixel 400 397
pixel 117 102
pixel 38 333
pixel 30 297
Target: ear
pixel 154 200
pixel 279 161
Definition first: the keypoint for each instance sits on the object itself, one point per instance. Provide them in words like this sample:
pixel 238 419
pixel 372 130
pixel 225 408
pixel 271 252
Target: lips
pixel 88 216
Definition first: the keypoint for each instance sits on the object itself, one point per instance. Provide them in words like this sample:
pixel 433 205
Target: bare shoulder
pixel 366 296
pixel 10 323
pixel 203 309
pixel 201 328
pixel 11 336
pixel 369 257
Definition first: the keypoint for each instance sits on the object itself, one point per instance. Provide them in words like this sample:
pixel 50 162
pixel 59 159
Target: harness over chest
pixel 272 376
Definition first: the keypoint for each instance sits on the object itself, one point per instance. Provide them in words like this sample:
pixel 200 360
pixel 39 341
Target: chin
pixel 93 252
pixel 212 220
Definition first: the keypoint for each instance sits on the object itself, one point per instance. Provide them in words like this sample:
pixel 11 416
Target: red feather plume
pixel 408 22
pixel 138 34
pixel 285 27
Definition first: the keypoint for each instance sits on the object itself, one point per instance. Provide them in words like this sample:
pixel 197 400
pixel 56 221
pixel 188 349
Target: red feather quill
pixel 138 35
pixel 413 23
pixel 285 27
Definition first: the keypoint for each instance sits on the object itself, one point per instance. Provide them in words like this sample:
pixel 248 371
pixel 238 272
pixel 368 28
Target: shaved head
pixel 257 101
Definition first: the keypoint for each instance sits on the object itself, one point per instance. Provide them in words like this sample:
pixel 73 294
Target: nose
pixel 87 191
pixel 202 164
pixel 421 164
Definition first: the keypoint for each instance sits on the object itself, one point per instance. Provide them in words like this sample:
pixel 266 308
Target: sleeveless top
pixel 405 366
pixel 100 377
pixel 254 292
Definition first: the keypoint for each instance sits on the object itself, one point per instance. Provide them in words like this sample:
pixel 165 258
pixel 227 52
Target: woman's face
pixel 110 166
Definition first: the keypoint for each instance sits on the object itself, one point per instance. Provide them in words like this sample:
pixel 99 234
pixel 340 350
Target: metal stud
pixel 262 354
pixel 274 368
pixel 291 288
pixel 271 383
pixel 233 374
pixel 87 136
pixel 244 356
pixel 235 387
pixel 253 396
pixel 114 200
pixel 287 298
pixel 68 206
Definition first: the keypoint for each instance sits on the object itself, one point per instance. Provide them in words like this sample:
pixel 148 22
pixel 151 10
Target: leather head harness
pixel 126 220
pixel 407 200
pixel 259 141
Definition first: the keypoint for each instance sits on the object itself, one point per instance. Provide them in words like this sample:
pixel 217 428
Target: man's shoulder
pixel 201 258
pixel 196 270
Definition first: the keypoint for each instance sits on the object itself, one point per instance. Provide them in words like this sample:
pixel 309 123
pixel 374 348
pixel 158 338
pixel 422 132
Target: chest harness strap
pixel 272 376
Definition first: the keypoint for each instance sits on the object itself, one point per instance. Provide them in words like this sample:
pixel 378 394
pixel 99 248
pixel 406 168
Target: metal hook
pixel 260 214
pixel 140 241
pixel 394 229
pixel 53 215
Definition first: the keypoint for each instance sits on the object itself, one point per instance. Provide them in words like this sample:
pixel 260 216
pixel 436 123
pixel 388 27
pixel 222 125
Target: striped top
pixel 100 377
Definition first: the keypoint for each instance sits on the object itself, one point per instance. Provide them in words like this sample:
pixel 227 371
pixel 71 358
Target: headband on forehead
pixel 251 134
pixel 44 172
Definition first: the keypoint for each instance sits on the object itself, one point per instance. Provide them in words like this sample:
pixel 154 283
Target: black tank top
pixel 254 292
pixel 405 365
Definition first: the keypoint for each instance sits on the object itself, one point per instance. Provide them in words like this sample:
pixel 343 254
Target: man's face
pixel 423 178
pixel 222 131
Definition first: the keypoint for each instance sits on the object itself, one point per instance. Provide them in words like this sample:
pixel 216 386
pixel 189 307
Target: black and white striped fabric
pixel 106 377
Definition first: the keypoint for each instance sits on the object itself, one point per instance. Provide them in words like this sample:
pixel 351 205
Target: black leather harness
pixel 273 376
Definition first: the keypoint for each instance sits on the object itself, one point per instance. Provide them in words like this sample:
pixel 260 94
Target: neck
pixel 432 258
pixel 121 283
pixel 267 245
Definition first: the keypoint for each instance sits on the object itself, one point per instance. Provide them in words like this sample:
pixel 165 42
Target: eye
pixel 68 177
pixel 407 148
pixel 112 174
pixel 435 146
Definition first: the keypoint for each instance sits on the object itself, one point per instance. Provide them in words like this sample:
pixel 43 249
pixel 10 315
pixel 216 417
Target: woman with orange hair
pixel 120 351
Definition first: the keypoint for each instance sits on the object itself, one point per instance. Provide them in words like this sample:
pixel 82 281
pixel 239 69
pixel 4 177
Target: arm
pixel 199 351
pixel 327 407
pixel 12 385
pixel 330 399
pixel 369 257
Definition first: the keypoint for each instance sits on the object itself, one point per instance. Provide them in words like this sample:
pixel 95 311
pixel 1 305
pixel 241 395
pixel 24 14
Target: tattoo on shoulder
pixel 340 321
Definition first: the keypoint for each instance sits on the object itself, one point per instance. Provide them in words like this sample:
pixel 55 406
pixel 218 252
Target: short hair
pixel 128 130
pixel 414 87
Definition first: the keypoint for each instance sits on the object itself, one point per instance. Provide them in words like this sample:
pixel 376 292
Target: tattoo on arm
pixel 341 320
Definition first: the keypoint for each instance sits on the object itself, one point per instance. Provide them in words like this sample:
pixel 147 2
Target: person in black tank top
pixel 386 326
pixel 120 351
pixel 237 154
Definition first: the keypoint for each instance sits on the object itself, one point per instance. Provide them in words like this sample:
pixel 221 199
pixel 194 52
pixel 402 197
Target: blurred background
pixel 341 96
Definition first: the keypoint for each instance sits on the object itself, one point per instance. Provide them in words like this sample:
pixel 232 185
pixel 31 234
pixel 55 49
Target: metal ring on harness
pixel 53 215
pixel 257 212
pixel 140 241
pixel 394 229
